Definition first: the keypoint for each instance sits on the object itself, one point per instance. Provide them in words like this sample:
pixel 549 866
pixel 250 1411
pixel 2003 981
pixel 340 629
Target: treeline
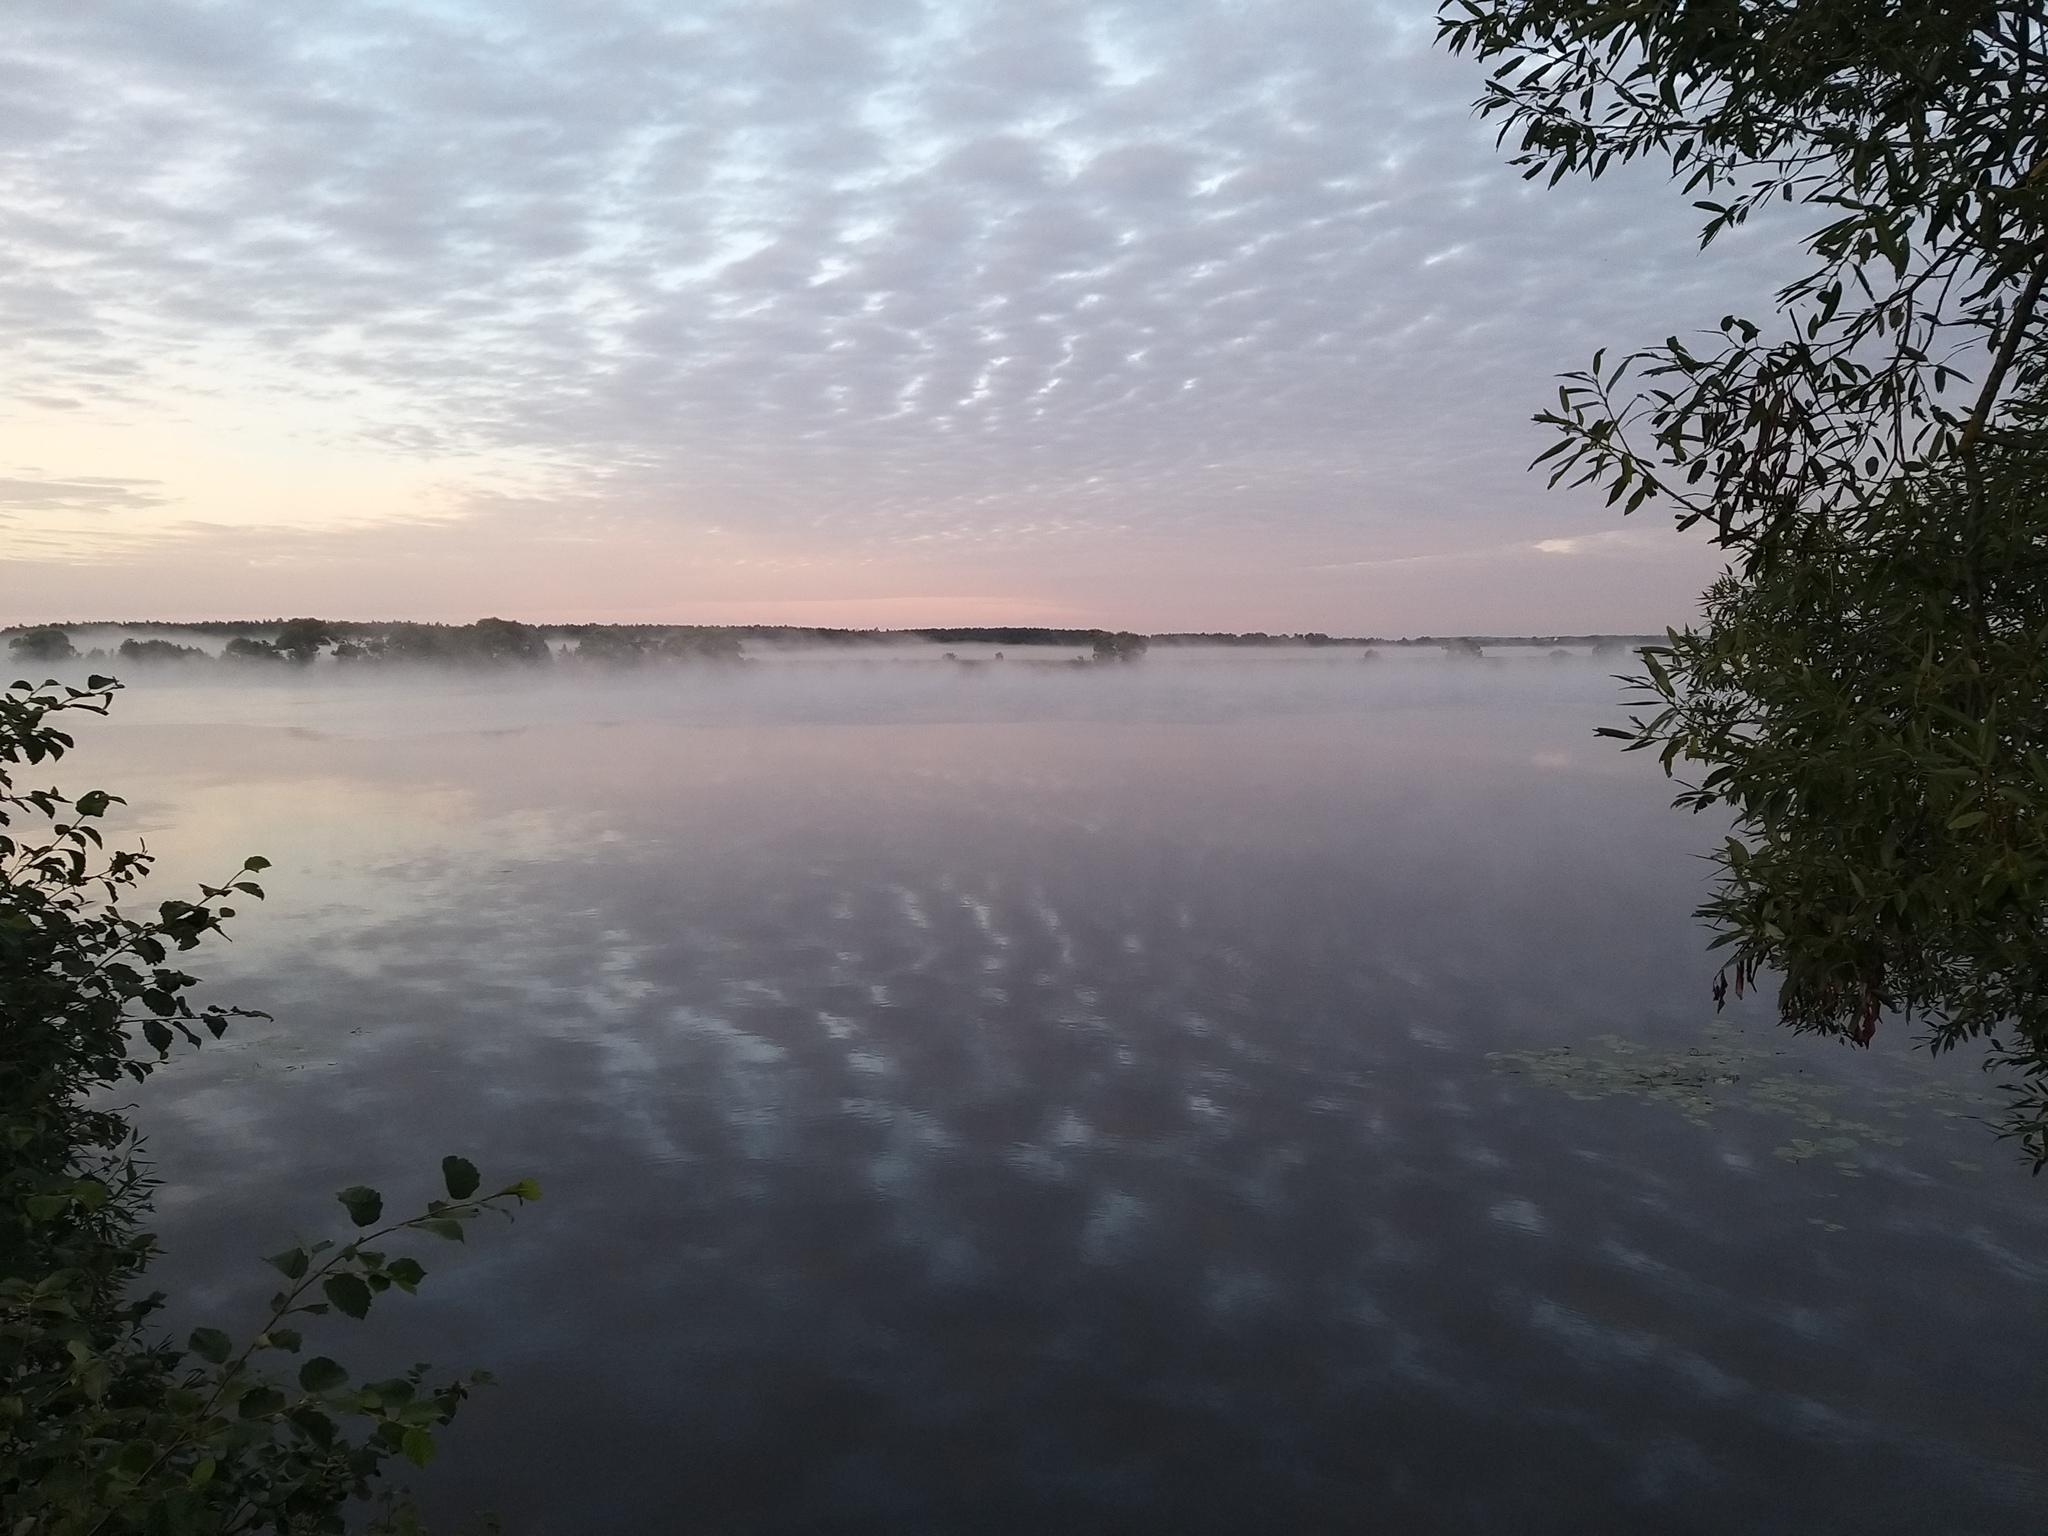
pixel 303 641
pixel 1005 635
pixel 1597 642
pixel 495 641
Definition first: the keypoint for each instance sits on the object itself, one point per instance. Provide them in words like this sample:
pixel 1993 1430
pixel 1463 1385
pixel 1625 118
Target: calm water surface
pixel 1020 1099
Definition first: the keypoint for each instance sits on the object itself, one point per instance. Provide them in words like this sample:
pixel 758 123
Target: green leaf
pixel 321 1374
pixel 364 1204
pixel 525 1189
pixel 348 1293
pixel 211 1345
pixel 291 1263
pixel 461 1177
pixel 406 1273
pixel 255 865
pixel 443 1226
pixel 135 1459
pixel 202 1474
pixel 418 1447
pixel 261 1403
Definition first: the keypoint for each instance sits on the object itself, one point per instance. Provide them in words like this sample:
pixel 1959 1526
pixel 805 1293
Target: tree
pixel 244 648
pixel 625 646
pixel 696 642
pixel 1918 131
pixel 1866 693
pixel 615 647
pixel 104 1427
pixel 300 639
pixel 487 641
pixel 160 650
pixel 1871 705
pixel 50 643
pixel 1120 646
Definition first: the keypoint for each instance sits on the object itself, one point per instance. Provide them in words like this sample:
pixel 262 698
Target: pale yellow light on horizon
pixel 160 469
pixel 260 501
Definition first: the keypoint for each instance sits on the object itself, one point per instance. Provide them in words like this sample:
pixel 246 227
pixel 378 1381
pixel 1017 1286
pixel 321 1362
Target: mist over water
pixel 1017 1098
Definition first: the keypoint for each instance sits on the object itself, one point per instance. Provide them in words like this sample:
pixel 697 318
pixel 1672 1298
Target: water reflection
pixel 1031 1100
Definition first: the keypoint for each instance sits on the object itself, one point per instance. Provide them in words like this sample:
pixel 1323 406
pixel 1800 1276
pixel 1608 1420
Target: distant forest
pixel 504 640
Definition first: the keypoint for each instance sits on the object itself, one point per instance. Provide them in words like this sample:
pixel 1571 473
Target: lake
pixel 1012 1098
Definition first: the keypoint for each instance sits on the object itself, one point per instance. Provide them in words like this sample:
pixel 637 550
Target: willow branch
pixel 2008 349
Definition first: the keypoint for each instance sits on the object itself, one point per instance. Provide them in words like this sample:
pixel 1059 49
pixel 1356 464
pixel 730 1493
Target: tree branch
pixel 2008 349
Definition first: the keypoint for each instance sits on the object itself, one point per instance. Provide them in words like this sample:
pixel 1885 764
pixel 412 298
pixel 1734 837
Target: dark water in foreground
pixel 1030 1101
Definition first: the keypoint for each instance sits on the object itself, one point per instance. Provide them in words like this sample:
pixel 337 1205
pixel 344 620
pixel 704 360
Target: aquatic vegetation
pixel 1733 1069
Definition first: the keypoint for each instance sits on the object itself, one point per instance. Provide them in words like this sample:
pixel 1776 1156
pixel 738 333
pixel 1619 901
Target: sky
pixel 1166 315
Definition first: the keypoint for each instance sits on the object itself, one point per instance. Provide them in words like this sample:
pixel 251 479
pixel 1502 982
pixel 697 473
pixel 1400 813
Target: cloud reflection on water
pixel 1059 1100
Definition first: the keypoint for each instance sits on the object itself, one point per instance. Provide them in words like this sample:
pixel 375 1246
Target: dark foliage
pixel 1869 707
pixel 486 642
pixel 160 650
pixel 46 644
pixel 300 640
pixel 1120 646
pixel 1917 132
pixel 244 648
pixel 628 647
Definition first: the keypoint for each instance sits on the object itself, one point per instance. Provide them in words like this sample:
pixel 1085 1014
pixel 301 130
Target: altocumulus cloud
pixel 834 281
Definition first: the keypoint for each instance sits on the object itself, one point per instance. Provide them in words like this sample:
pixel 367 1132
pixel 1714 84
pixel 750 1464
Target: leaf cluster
pixel 1917 132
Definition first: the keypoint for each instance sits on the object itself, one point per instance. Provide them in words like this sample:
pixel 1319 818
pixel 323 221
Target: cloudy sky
pixel 1167 314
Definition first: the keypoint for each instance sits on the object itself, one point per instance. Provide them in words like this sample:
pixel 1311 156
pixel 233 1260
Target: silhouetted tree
pixel 1120 646
pixel 249 649
pixel 49 643
pixel 159 650
pixel 300 639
